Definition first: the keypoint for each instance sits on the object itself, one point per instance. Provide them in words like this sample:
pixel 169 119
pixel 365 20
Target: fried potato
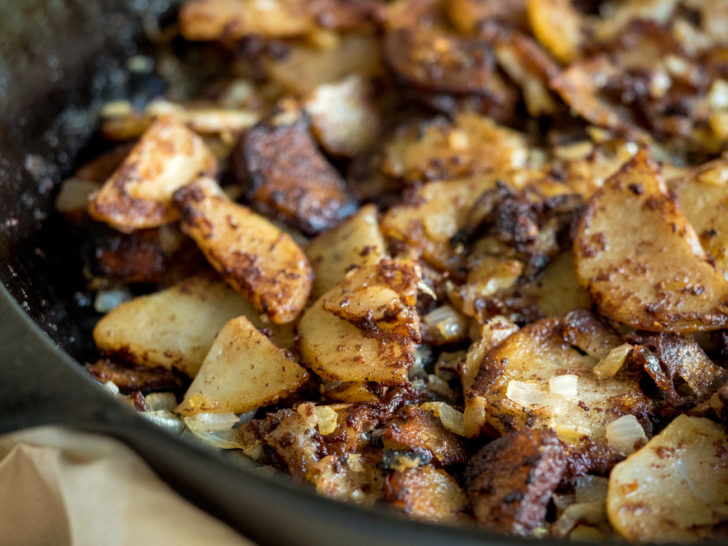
pixel 469 15
pixel 350 477
pixel 357 241
pixel 558 291
pixel 286 175
pixel 641 260
pixel 353 346
pixel 427 493
pixel 175 328
pixel 343 116
pixel 703 196
pixel 439 150
pixel 243 371
pixel 139 193
pixel 514 381
pixel 674 489
pixel 558 26
pixel 256 258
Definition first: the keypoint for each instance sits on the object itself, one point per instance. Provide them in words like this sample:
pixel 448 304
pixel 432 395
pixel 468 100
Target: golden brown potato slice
pixel 243 371
pixel 439 150
pixel 357 241
pixel 354 346
pixel 305 68
pixel 674 489
pixel 427 493
pixel 558 26
pixel 703 196
pixel 516 386
pixel 350 477
pixel 255 257
pixel 139 193
pixel 343 116
pixel 558 291
pixel 641 260
pixel 175 328
pixel 286 175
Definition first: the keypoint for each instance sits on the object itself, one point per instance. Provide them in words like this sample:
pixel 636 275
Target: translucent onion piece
pixel 591 489
pixel 608 366
pixel 165 419
pixel 74 195
pixel 585 512
pixel 565 385
pixel 106 300
pixel 446 324
pixel 327 419
pixel 161 401
pixel 216 429
pixel 451 418
pixel 527 395
pixel 625 435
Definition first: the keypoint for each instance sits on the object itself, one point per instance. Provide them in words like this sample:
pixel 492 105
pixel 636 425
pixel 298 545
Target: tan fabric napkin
pixel 59 486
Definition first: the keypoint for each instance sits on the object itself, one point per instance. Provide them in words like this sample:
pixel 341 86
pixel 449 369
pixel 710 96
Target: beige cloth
pixel 59 486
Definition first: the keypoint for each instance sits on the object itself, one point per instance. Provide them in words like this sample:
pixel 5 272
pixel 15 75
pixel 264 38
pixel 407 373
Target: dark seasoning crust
pixel 466 259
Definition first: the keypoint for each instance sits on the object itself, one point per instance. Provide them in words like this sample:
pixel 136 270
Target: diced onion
pixel 591 489
pixel 106 300
pixel 565 385
pixel 446 324
pixel 585 512
pixel 216 429
pixel 74 195
pixel 528 394
pixel 608 366
pixel 451 419
pixel 165 419
pixel 625 435
pixel 327 419
pixel 161 401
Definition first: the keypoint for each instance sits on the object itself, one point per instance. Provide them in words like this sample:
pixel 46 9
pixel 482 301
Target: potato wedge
pixel 139 193
pixel 256 258
pixel 513 384
pixel 357 241
pixel 285 175
pixel 641 260
pixel 703 196
pixel 243 371
pixel 175 328
pixel 674 489
pixel 354 347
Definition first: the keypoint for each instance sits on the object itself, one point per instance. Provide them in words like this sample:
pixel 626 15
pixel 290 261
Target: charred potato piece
pixel 421 432
pixel 641 260
pixel 175 328
pixel 286 175
pixel 139 193
pixel 427 493
pixel 674 489
pixel 352 346
pixel 510 481
pixel 130 377
pixel 255 257
pixel 243 371
pixel 514 388
pixel 352 477
pixel 356 242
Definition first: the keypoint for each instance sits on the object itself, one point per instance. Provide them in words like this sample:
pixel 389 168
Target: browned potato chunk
pixel 641 260
pixel 511 480
pixel 357 241
pixel 343 116
pixel 286 175
pixel 703 196
pixel 139 193
pixel 674 489
pixel 352 346
pixel 350 477
pixel 468 15
pixel 558 26
pixel 243 371
pixel 427 493
pixel 175 328
pixel 438 150
pixel 558 290
pixel 255 257
pixel 541 377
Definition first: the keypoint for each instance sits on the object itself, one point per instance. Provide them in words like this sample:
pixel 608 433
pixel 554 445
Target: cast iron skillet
pixel 59 61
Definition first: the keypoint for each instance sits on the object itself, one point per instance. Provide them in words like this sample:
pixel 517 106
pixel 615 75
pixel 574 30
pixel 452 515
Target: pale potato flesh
pixel 674 489
pixel 254 256
pixel 242 371
pixel 641 260
pixel 357 241
pixel 139 193
pixel 175 328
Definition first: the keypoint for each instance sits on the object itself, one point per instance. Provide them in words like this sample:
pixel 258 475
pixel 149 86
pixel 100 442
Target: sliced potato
pixel 427 493
pixel 641 260
pixel 674 489
pixel 558 291
pixel 703 196
pixel 139 193
pixel 558 26
pixel 364 343
pixel 255 257
pixel 343 116
pixel 175 328
pixel 243 371
pixel 513 384
pixel 355 242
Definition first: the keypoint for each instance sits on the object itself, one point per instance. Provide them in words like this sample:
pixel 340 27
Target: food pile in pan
pixel 465 258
